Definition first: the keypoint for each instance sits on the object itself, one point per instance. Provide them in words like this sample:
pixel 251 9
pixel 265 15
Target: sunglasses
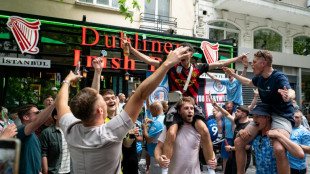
pixel 260 143
pixel 36 113
pixel 261 54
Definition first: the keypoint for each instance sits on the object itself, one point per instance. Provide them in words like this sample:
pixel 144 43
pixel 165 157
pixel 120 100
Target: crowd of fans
pixel 101 132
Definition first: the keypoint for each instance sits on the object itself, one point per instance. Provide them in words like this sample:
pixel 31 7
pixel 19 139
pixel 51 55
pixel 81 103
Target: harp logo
pixel 26 34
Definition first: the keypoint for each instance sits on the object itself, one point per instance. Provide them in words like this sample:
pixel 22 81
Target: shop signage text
pixel 156 47
pixel 38 63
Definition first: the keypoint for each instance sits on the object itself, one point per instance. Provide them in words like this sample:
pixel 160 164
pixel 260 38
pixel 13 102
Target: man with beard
pixel 177 77
pixel 275 90
pixel 186 145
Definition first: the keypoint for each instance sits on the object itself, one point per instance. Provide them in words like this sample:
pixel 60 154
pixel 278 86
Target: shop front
pixel 37 52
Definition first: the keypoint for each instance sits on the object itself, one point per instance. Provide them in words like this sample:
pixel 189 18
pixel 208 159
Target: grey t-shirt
pixel 96 149
pixel 185 158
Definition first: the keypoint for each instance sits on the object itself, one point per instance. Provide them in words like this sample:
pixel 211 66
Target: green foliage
pixel 301 45
pixel 267 40
pixel 123 9
pixel 20 92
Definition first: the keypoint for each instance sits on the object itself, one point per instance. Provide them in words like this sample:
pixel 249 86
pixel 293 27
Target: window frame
pixel 282 38
pixel 100 5
pixel 224 29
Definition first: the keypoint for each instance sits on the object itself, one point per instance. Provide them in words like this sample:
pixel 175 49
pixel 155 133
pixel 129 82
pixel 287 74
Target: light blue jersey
pixel 155 128
pixel 300 135
pixel 234 91
pixel 228 128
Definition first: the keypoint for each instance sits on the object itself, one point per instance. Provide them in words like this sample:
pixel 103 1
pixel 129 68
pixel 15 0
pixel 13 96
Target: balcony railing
pixel 158 23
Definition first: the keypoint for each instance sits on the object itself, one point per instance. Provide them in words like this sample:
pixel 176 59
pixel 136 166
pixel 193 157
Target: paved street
pixel 252 169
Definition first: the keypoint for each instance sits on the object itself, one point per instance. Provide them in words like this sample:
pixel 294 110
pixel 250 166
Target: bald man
pixel 151 135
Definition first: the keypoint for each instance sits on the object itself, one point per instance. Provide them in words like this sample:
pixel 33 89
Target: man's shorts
pixel 224 153
pixel 279 122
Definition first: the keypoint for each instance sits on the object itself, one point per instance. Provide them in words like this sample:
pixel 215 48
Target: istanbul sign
pixel 38 63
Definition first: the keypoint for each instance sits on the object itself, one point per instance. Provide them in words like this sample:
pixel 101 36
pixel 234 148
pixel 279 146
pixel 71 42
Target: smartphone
pixel 9 158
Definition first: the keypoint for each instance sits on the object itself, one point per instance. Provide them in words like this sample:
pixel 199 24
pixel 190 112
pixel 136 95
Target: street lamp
pixel 127 75
pixel 85 72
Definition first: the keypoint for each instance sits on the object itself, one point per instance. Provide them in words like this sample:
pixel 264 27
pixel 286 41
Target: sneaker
pixel 218 140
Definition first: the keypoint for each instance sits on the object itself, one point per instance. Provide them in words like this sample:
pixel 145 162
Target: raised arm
pixel 245 81
pixel 146 59
pixel 254 101
pixel 136 101
pixel 39 120
pixel 222 110
pixel 63 95
pixel 98 65
pixel 226 62
pixel 213 77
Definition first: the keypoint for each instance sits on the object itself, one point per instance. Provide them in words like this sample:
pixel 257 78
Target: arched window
pixel 267 39
pixel 223 30
pixel 301 45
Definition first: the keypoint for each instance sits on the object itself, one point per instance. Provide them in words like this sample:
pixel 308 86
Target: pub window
pixel 223 30
pixel 108 3
pixel 301 45
pixel 267 39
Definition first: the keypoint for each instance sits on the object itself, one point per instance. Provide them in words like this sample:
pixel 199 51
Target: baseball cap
pixel 261 109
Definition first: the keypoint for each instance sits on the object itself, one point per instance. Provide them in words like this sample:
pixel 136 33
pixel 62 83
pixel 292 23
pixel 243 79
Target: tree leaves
pixel 123 9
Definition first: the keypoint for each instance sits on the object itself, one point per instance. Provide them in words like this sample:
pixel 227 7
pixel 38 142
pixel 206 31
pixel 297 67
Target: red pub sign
pixel 116 62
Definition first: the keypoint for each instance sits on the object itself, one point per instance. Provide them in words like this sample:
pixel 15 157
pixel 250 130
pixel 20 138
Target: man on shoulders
pixel 187 144
pixel 275 90
pixel 95 146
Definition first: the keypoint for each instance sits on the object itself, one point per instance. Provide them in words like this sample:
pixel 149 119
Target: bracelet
pixel 66 81
pixel 245 67
pixel 256 96
pixel 230 148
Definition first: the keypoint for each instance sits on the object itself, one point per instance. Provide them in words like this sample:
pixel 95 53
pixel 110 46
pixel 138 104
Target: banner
pixel 218 92
pixel 161 92
pixel 210 51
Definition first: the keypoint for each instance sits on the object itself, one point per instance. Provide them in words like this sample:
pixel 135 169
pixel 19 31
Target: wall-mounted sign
pixel 26 33
pixel 38 63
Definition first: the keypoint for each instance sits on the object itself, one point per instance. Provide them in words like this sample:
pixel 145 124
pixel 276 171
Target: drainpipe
pixel 196 3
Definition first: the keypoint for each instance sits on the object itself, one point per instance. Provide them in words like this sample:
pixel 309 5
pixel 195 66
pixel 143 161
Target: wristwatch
pixel 66 81
pixel 230 148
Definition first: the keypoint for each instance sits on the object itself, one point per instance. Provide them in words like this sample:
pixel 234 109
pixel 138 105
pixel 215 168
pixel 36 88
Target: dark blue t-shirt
pixel 268 92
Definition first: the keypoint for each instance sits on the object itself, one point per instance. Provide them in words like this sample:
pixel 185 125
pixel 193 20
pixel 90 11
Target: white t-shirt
pixel 96 149
pixel 185 158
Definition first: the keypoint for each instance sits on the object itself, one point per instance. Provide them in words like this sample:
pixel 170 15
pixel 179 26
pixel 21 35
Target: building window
pixel 108 3
pixel 267 39
pixel 301 45
pixel 222 31
pixel 160 8
pixel 156 16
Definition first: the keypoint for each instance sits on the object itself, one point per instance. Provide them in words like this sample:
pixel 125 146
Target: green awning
pixel 48 40
pixel 198 55
pixel 4 36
